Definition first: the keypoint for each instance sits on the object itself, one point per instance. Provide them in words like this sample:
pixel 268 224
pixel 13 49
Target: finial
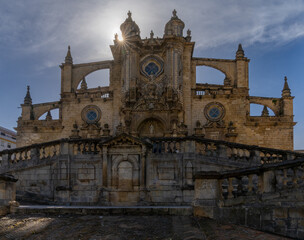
pixel 286 90
pixel 116 37
pixel 84 85
pixel 48 116
pixel 129 14
pixel 28 99
pixel 265 112
pixel 151 34
pixel 68 58
pixel 188 38
pixel 174 13
pixel 240 52
pixel 189 33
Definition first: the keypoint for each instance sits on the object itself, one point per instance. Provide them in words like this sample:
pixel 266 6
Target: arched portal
pixel 151 128
pixel 125 176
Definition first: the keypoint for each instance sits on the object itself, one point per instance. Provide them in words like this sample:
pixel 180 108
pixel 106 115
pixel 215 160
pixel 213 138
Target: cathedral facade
pixel 153 92
pixel 142 139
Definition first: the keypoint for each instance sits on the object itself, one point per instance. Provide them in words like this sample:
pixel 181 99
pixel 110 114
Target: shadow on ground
pixel 92 227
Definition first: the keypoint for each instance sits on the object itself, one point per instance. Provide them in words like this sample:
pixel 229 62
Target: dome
pixel 175 26
pixel 129 28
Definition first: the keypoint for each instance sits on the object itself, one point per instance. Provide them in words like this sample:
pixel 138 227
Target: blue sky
pixel 34 35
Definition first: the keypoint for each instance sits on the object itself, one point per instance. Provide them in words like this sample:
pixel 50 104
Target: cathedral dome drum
pixel 175 26
pixel 129 28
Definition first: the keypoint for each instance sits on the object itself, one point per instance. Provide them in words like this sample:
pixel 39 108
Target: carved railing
pixel 222 149
pixel 268 197
pixel 256 181
pixel 251 155
pixel 86 146
pixel 37 153
pixel 211 89
pixel 40 151
pixel 99 92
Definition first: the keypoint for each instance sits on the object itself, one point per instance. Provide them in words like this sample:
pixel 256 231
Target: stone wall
pixel 124 170
pixel 168 102
pixel 7 193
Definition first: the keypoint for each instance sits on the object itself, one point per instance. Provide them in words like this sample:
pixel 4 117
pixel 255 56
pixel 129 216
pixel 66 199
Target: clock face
pixel 91 114
pixel 214 111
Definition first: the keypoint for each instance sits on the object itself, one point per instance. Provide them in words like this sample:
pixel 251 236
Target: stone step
pixel 106 210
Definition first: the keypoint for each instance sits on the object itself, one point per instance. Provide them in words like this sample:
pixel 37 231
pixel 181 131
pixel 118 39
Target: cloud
pixel 36 27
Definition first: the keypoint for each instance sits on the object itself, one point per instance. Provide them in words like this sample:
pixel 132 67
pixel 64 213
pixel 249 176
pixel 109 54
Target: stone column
pixel 104 166
pixel 143 169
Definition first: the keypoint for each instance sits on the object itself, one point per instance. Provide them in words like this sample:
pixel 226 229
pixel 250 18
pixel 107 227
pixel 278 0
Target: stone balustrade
pixel 86 146
pixel 29 153
pixel 211 89
pixel 216 148
pixel 268 197
pixel 251 155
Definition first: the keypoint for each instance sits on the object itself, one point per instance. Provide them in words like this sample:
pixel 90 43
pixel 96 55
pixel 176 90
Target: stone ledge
pixel 105 210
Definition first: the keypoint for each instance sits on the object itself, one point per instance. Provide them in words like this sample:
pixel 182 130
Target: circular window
pixel 151 68
pixel 152 65
pixel 214 111
pixel 91 114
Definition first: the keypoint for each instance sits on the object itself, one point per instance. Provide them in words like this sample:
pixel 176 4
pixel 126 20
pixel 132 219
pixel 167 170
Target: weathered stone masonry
pixel 153 91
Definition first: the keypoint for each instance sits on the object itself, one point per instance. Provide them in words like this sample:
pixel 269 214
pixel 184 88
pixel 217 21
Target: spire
pixel 84 85
pixel 286 90
pixel 240 52
pixel 48 116
pixel 151 34
pixel 68 58
pixel 28 99
pixel 265 112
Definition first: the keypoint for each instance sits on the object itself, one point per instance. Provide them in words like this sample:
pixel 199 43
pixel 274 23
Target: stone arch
pixel 115 170
pixel 151 127
pixel 121 158
pixel 82 70
pixel 189 173
pixel 271 103
pixel 256 110
pixel 227 67
pixel 125 175
pixel 40 109
pixel 217 76
pixel 54 114
pixel 97 79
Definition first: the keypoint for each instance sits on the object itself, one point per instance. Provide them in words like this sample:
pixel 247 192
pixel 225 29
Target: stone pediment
pixel 124 140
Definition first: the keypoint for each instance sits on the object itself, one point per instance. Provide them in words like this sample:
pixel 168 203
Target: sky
pixel 34 35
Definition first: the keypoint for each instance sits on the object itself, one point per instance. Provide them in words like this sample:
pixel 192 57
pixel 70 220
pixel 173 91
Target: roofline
pixel 5 130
